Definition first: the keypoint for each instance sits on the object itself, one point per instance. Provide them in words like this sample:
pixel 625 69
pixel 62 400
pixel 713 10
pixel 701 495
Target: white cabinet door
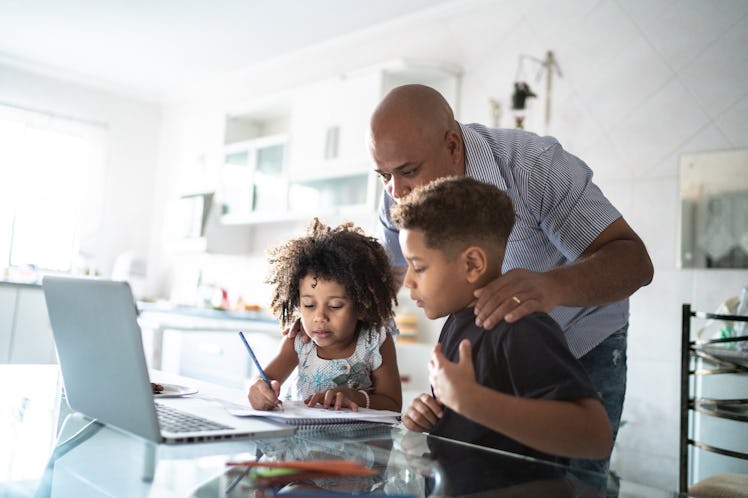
pixel 311 108
pixel 217 357
pixel 7 316
pixel 329 124
pixel 355 101
pixel 32 334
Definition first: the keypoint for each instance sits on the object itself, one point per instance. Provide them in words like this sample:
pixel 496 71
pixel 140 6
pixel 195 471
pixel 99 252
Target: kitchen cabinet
pixel 217 357
pixel 204 344
pixel 25 332
pixel 193 150
pixel 254 180
pixel 188 220
pixel 7 315
pixel 344 193
pixel 304 151
pixel 329 124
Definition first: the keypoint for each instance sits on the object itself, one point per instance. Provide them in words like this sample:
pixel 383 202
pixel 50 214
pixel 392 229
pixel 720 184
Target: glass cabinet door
pixel 236 177
pixel 253 179
pixel 269 182
pixel 329 194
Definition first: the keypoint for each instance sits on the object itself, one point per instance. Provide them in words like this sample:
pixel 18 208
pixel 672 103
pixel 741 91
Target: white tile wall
pixel 732 123
pixel 714 71
pixel 643 81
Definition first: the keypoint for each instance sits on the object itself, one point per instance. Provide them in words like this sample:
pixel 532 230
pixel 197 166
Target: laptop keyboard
pixel 173 420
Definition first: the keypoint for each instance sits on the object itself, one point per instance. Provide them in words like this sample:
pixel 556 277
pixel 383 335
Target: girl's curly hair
pixel 343 254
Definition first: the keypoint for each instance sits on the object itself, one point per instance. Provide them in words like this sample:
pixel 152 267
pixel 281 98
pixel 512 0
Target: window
pixel 50 183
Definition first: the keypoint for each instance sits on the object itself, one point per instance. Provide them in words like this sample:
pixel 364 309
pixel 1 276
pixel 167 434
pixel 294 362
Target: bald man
pixel 571 254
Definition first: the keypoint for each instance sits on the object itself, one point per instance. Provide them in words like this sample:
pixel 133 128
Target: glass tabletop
pixel 47 451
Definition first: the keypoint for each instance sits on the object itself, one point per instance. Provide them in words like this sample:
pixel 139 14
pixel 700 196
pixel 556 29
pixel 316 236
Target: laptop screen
pixel 100 352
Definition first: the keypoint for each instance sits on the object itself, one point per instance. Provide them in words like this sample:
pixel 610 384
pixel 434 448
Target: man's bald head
pixel 419 106
pixel 414 139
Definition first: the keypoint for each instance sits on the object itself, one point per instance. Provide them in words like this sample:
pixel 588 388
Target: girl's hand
pixel 296 329
pixel 422 414
pixel 336 398
pixel 450 379
pixel 264 397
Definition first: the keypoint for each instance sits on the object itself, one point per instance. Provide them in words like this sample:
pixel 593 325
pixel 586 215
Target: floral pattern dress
pixel 315 374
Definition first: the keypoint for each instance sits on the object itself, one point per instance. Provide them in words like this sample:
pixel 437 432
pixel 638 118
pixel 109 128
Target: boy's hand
pixel 264 397
pixel 449 379
pixel 335 398
pixel 422 414
pixel 294 331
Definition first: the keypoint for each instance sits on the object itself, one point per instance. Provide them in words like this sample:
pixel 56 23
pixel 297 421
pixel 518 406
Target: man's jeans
pixel 606 368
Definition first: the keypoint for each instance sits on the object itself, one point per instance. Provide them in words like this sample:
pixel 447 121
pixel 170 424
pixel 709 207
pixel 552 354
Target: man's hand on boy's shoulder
pixel 514 295
pixel 422 414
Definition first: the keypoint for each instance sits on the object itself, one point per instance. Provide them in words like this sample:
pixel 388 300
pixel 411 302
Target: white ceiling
pixel 151 48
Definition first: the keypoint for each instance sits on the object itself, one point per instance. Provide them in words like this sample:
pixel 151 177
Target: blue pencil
pixel 257 364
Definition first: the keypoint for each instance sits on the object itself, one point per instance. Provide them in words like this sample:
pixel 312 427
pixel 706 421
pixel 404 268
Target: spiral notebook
pixel 298 414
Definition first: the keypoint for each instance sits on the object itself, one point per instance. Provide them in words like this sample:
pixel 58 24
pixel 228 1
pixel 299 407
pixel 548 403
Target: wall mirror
pixel 714 209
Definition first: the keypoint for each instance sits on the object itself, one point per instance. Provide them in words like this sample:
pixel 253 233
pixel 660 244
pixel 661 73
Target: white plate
pixel 174 390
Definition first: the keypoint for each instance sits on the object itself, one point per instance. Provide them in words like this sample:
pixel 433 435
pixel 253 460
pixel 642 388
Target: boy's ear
pixel 476 263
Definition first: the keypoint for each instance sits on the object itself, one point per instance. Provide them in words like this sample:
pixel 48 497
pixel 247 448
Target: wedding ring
pixel 516 300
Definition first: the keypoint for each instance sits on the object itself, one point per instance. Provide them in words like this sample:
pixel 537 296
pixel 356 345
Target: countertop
pixel 21 283
pixel 178 309
pixel 170 308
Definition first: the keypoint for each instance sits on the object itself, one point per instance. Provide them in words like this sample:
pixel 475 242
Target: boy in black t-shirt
pixel 515 387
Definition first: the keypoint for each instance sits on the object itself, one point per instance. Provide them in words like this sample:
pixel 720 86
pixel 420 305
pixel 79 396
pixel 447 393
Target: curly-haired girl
pixel 339 283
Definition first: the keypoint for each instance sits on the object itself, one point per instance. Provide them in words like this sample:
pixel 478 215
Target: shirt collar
pixel 480 163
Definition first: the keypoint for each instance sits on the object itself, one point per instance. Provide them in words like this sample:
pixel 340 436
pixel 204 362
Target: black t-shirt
pixel 528 358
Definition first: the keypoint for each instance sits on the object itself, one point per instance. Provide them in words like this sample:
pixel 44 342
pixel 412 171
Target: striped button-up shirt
pixel 559 212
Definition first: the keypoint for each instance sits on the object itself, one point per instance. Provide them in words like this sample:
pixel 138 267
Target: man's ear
pixel 476 263
pixel 454 144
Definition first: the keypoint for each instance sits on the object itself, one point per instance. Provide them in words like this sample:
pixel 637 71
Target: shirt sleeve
pixel 570 208
pixel 388 233
pixel 540 364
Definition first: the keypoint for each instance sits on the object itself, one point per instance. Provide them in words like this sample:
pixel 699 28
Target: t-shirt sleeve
pixel 540 364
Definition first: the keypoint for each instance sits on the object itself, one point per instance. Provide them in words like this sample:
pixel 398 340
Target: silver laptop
pixel 100 351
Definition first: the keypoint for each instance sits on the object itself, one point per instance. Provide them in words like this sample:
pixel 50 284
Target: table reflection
pixel 407 464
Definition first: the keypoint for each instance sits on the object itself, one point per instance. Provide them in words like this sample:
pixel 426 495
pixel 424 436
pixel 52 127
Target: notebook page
pixel 297 413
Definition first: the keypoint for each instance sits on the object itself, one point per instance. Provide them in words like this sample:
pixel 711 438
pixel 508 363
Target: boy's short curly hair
pixel 457 211
pixel 343 254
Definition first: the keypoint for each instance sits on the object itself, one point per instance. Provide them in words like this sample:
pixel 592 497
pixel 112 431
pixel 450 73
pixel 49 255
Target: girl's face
pixel 327 314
